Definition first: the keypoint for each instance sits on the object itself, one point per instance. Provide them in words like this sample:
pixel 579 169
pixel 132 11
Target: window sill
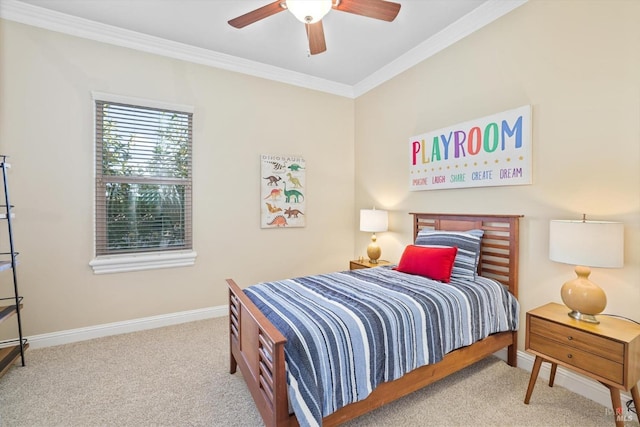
pixel 143 261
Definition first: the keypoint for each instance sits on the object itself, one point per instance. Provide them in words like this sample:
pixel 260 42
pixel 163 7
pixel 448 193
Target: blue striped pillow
pixel 468 244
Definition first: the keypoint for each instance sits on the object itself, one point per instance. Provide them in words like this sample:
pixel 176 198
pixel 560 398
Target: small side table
pixel 608 352
pixel 358 264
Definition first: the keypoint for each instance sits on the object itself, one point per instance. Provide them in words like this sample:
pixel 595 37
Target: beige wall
pixel 46 120
pixel 577 63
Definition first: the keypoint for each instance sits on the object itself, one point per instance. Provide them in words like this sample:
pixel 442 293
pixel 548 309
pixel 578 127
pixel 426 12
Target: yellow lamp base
pixel 373 250
pixel 583 297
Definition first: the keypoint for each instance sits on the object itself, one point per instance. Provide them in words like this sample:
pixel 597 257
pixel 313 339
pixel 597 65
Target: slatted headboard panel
pixel 500 244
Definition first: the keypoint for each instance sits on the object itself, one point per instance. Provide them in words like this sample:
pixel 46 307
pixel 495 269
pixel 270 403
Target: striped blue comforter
pixel 349 331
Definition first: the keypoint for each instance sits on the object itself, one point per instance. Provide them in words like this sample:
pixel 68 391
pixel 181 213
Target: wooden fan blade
pixel 258 14
pixel 377 9
pixel 315 34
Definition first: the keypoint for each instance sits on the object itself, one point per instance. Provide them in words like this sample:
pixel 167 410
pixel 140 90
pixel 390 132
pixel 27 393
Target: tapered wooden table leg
pixel 552 375
pixel 635 394
pixel 534 377
pixel 617 406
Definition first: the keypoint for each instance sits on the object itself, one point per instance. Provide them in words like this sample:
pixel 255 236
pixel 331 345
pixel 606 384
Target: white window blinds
pixel 143 179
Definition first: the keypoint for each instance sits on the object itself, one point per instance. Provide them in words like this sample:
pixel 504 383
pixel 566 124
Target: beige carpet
pixel 178 376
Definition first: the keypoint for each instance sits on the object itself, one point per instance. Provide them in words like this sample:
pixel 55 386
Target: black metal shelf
pixel 11 353
pixel 8 311
pixel 13 349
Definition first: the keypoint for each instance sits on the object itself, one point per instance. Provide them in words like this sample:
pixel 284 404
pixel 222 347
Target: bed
pixel 257 347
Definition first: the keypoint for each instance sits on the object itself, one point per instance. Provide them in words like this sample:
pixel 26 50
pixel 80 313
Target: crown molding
pixel 24 13
pixel 67 24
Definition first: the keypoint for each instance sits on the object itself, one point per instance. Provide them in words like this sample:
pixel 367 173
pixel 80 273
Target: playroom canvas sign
pixel 490 151
pixel 282 191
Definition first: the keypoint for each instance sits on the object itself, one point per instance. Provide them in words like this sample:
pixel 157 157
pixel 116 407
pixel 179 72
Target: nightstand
pixel 358 264
pixel 608 352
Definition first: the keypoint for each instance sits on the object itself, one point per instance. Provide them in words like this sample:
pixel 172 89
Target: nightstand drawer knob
pixel 569 355
pixel 570 338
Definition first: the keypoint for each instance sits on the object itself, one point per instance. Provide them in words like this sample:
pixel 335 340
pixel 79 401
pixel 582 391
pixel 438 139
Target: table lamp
pixel 586 244
pixel 373 221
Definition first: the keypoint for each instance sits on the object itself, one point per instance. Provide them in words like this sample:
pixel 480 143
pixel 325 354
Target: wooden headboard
pixel 500 244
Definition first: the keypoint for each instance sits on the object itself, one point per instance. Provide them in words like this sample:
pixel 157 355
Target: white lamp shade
pixel 309 11
pixel 587 243
pixel 373 220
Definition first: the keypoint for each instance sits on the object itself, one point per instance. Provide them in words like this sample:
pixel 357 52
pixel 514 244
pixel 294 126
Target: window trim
pixel 140 261
pixel 142 102
pixel 106 264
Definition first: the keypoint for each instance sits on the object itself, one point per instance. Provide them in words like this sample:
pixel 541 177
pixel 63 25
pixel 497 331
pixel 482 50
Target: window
pixel 143 181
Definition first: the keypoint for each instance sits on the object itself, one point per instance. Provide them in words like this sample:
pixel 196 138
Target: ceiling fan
pixel 311 12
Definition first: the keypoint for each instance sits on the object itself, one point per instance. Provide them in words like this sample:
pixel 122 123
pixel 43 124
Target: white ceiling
pixel 361 52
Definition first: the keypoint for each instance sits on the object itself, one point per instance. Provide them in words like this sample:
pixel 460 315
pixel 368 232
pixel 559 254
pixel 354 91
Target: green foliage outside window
pixel 146 173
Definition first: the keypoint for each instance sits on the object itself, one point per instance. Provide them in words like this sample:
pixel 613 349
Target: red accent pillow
pixel 434 263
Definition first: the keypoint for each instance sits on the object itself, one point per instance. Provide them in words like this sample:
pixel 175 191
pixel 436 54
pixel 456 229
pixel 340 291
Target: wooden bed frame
pixel 257 347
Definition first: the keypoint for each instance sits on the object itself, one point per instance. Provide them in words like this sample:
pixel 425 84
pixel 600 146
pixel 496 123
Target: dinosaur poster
pixel 282 191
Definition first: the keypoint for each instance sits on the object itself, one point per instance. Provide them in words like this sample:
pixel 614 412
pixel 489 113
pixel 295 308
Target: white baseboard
pixel 570 380
pixel 134 325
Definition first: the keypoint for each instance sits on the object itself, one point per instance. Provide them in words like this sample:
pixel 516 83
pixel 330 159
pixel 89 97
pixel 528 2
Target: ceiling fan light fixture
pixel 309 11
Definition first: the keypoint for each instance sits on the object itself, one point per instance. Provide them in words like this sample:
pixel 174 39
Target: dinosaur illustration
pixel 295 181
pixel 277 166
pixel 294 167
pixel 275 193
pixel 273 180
pixel 292 212
pixel 279 221
pixel 292 193
pixel 273 209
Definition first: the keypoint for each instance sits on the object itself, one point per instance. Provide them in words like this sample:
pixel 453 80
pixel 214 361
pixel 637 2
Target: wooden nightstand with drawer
pixel 364 263
pixel 608 352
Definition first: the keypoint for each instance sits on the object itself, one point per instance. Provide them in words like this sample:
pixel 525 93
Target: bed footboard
pixel 257 347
